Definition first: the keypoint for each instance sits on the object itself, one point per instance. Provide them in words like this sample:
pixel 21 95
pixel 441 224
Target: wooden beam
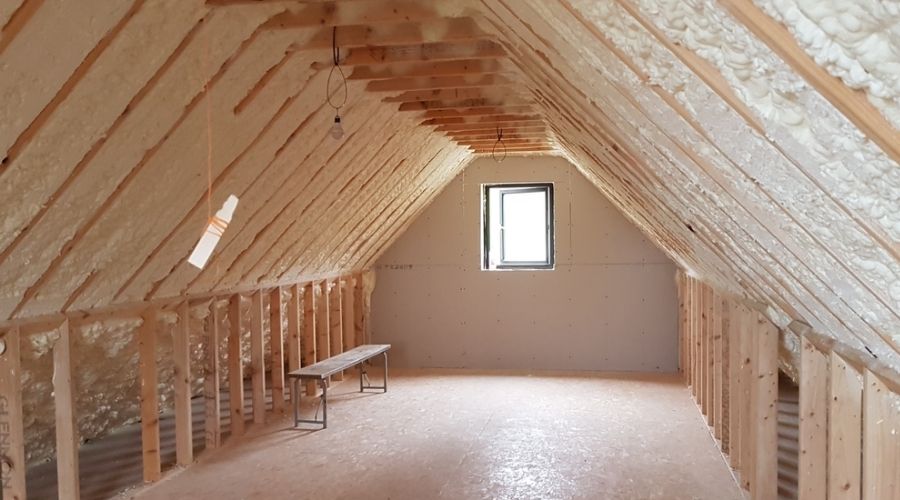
pixel 464 137
pixel 359 328
pixel 12 430
pixel 480 111
pixel 348 312
pixel 852 103
pixel 454 94
pixel 735 384
pixel 426 69
pixel 235 367
pixel 438 82
pixel 464 103
pixel 845 391
pixel 764 394
pixel 813 422
pixel 881 440
pixel 309 331
pixel 718 405
pixel 147 340
pixel 323 323
pixel 294 310
pixel 406 33
pixel 747 340
pixel 335 320
pixel 181 352
pixel 506 127
pixel 211 378
pixel 349 12
pixel 427 52
pixel 498 120
pixel 257 361
pixel 276 341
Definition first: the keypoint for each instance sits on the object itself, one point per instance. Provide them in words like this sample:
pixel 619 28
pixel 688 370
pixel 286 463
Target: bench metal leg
pixel 295 391
pixel 362 372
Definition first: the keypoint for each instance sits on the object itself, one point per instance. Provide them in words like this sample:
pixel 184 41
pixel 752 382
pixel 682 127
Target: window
pixel 518 226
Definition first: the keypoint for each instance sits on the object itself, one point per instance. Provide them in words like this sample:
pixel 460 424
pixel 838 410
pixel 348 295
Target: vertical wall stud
pixel 149 397
pixel 359 311
pixel 257 363
pixel 764 394
pixel 844 430
pixel 335 320
pixel 293 316
pixel 323 320
pixel 716 364
pixel 309 331
pixel 347 308
pixel 211 380
pixel 813 422
pixel 12 432
pixel 747 340
pixel 276 340
pixel 181 350
pixel 881 440
pixel 235 366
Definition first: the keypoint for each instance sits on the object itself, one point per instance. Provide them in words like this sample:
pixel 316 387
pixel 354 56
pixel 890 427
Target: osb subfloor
pixel 461 435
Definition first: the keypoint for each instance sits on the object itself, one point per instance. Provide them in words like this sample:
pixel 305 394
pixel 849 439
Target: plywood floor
pixel 462 435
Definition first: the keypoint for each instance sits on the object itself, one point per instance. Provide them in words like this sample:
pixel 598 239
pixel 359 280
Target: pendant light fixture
pixel 216 224
pixel 337 130
pixel 498 144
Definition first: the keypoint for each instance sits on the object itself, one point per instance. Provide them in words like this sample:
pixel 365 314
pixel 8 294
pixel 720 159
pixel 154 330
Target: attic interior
pixel 617 249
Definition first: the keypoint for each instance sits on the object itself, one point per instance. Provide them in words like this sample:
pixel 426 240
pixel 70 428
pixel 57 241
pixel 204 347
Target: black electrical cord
pixel 499 143
pixel 336 58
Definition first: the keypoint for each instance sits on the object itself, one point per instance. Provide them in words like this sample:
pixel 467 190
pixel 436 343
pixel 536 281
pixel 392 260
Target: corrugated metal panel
pixel 788 437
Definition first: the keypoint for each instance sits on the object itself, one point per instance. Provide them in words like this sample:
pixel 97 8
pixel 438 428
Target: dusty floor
pixel 461 435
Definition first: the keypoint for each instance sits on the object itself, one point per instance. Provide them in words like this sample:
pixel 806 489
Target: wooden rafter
pixel 439 82
pixel 454 94
pixel 439 68
pixel 480 120
pixel 382 35
pixel 852 103
pixel 464 103
pixel 441 51
pixel 352 12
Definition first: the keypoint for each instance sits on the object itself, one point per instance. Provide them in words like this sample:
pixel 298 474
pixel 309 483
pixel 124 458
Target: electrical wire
pixel 336 58
pixel 499 143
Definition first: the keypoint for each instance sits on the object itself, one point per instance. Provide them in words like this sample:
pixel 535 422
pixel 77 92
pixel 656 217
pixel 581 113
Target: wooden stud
pixel 813 422
pixel 276 340
pixel 335 322
pixel 310 306
pixel 257 362
pixel 438 51
pixel 293 313
pixel 747 382
pixel 181 350
pixel 735 385
pixel 881 440
pixel 235 366
pixel 724 305
pixel 359 325
pixel 149 397
pixel 437 82
pixel 764 394
pixel 347 310
pixel 420 69
pixel 211 386
pixel 323 318
pixel 716 365
pixel 704 350
pixel 12 431
pixel 845 394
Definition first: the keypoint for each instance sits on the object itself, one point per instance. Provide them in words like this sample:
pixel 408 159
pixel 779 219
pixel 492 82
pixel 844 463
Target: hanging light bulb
pixel 214 231
pixel 337 131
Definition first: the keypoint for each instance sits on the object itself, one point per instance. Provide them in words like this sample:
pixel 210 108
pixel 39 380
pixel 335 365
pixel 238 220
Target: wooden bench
pixel 320 372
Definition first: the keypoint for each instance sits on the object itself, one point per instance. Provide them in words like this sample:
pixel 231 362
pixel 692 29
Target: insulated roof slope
pixel 755 141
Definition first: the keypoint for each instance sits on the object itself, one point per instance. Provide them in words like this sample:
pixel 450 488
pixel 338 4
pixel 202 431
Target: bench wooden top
pixel 341 362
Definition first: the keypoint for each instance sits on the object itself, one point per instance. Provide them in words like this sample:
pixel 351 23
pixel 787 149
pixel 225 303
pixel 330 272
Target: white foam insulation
pixel 748 172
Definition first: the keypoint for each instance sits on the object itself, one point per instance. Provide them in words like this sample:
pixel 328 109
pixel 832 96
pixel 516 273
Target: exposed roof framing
pixel 755 161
